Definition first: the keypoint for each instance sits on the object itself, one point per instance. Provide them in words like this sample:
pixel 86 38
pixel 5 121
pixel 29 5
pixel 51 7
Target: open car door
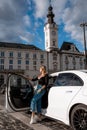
pixel 19 93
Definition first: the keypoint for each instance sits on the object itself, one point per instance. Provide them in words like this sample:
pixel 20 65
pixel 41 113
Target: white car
pixel 66 97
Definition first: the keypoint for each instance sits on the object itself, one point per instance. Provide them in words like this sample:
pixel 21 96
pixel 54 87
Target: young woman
pixel 40 91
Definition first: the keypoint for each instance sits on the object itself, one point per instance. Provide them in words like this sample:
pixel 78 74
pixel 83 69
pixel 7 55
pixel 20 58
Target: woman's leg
pixel 36 102
pixel 33 108
pixel 39 106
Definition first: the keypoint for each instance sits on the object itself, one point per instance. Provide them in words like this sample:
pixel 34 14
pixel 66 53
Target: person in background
pixel 39 92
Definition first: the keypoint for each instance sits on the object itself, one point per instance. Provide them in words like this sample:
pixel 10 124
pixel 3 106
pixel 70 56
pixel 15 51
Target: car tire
pixel 79 117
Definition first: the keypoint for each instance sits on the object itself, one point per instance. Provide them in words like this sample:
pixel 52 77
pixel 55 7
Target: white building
pixel 21 58
pixel 27 59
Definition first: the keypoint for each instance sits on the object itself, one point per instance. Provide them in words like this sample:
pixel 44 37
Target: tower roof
pixel 50 15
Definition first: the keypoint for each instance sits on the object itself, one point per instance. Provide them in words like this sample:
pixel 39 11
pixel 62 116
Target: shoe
pixel 33 120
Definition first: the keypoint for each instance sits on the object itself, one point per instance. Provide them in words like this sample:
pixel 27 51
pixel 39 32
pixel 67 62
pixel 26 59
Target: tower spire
pixel 50 14
pixel 50 29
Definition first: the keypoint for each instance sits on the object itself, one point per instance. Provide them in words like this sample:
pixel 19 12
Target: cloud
pixel 27 20
pixel 73 16
pixel 13 19
pixel 20 19
pixel 40 8
pixel 27 37
pixel 16 24
pixel 70 13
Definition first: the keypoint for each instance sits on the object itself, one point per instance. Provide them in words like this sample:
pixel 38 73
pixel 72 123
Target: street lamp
pixel 83 25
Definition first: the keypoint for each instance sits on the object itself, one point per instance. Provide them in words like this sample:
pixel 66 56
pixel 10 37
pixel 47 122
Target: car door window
pixel 68 79
pixel 51 81
pixel 21 91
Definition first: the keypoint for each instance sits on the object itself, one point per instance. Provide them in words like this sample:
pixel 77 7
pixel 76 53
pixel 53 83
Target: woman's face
pixel 40 70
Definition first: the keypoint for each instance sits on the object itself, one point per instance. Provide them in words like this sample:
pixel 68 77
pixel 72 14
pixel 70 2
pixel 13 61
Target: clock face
pixel 53 33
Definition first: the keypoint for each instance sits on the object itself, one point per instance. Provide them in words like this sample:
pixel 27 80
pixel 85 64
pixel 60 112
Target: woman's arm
pixel 28 78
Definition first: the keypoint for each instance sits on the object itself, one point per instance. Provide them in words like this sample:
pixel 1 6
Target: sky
pixel 22 21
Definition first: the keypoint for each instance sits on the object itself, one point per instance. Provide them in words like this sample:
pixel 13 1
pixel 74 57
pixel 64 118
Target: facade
pixel 20 58
pixel 71 57
pixel 27 59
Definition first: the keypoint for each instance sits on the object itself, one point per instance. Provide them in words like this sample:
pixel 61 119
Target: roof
pixel 67 46
pixel 18 45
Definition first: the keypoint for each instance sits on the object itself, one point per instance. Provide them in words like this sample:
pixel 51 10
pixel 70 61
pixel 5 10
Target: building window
pixel 27 67
pixel 34 68
pixel 1 67
pixel 80 59
pixel 19 67
pixel 42 62
pixel 19 62
pixel 54 56
pixel 34 56
pixel 10 54
pixel 55 66
pixel 34 63
pixel 27 62
pixel 19 54
pixel 2 54
pixel 27 55
pixel 1 61
pixel 42 56
pixel 74 62
pixel 74 67
pixel 54 43
pixel 10 61
pixel 66 60
pixel 10 67
pixel 81 63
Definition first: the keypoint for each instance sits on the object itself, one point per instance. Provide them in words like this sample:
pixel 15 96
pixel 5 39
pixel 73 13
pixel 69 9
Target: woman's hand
pixel 39 90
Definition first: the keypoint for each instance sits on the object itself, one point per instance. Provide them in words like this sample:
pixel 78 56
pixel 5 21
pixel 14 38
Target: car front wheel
pixel 79 117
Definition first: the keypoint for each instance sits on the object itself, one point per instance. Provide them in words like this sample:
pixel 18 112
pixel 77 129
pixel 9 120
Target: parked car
pixel 67 96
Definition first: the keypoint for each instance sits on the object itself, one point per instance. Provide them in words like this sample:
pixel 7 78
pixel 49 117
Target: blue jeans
pixel 36 100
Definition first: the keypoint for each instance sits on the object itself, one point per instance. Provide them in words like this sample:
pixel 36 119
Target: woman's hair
pixel 43 67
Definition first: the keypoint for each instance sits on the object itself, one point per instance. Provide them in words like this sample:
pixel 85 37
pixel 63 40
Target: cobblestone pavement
pixel 20 121
pixel 53 124
pixel 7 122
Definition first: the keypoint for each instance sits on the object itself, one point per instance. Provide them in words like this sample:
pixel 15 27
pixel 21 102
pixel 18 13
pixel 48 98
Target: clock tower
pixel 50 29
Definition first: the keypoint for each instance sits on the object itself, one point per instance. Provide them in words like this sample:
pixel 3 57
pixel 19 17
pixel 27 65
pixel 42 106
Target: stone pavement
pixel 8 122
pixel 20 121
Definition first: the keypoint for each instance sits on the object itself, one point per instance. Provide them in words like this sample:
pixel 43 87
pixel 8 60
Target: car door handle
pixel 69 91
